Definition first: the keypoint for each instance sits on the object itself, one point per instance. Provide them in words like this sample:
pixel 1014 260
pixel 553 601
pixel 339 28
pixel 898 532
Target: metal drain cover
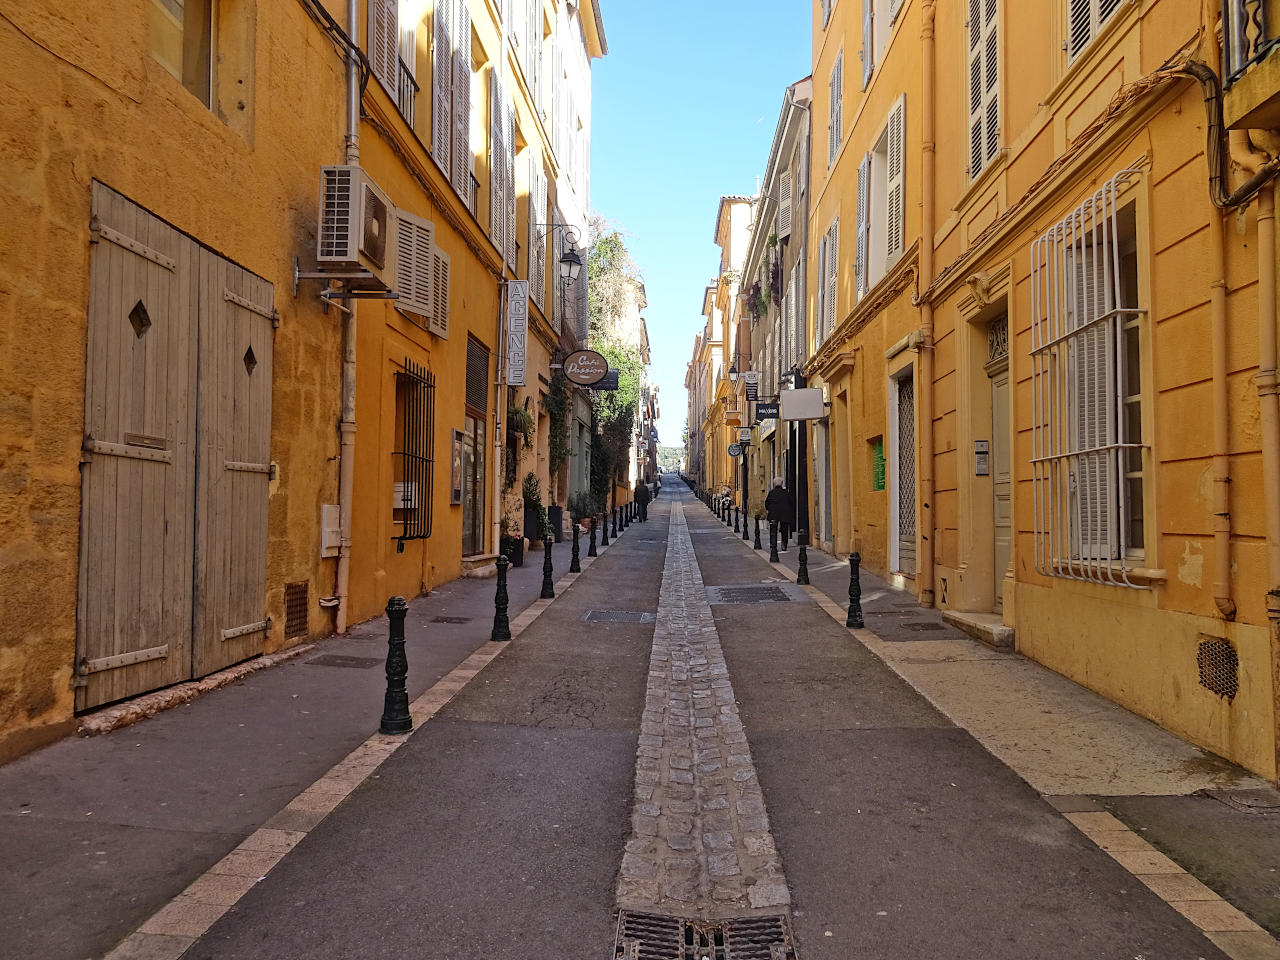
pixel 646 936
pixel 617 616
pixel 926 625
pixel 338 660
pixel 450 619
pixel 758 593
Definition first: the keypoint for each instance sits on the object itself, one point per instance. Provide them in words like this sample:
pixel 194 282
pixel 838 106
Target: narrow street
pixel 683 734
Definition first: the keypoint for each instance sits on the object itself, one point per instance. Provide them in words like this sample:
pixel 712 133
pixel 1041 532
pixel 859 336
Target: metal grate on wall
pixel 414 461
pixel 1219 667
pixel 477 376
pixel 295 609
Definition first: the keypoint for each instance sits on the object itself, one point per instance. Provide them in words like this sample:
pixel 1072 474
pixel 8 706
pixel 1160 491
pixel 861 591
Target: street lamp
pixel 570 264
pixel 733 373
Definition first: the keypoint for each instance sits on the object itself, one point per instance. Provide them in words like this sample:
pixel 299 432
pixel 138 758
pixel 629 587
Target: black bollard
pixel 773 541
pixel 591 541
pixel 854 619
pixel 575 564
pixel 614 511
pixel 757 543
pixel 746 535
pixel 548 588
pixel 604 534
pixel 501 626
pixel 735 519
pixel 395 707
pixel 802 571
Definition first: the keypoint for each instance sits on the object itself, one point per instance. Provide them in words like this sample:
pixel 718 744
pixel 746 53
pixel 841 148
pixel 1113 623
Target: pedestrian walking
pixel 642 500
pixel 780 508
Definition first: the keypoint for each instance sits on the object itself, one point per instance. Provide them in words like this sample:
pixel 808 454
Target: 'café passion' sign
pixel 585 367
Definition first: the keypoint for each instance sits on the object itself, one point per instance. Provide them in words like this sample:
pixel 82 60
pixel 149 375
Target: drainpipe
pixel 498 473
pixel 929 162
pixel 1222 598
pixel 347 423
pixel 1267 398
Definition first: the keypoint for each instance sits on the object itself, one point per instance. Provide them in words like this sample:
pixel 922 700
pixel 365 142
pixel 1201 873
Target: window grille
pixel 1086 445
pixel 413 463
pixel 998 340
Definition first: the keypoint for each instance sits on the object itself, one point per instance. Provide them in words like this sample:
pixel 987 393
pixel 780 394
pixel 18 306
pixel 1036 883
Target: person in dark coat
pixel 642 500
pixel 780 507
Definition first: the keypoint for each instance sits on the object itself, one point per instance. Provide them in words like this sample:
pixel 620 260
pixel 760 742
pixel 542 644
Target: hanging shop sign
pixel 804 404
pixel 752 378
pixel 744 435
pixel 585 367
pixel 608 382
pixel 766 411
pixel 735 450
pixel 517 330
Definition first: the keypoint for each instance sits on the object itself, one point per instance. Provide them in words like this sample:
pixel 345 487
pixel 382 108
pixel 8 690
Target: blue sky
pixel 683 112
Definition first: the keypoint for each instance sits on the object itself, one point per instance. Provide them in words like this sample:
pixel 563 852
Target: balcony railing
pixel 407 92
pixel 1245 36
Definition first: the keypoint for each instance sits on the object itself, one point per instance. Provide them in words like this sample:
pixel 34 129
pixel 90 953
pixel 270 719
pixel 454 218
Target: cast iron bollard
pixel 735 519
pixel 604 534
pixel 757 543
pixel 773 542
pixel 548 588
pixel 614 511
pixel 746 535
pixel 855 593
pixel 575 565
pixel 395 707
pixel 591 541
pixel 802 572
pixel 501 626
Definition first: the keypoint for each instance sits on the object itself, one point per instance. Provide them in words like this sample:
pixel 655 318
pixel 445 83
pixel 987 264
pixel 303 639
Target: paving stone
pixel 723 865
pixel 718 840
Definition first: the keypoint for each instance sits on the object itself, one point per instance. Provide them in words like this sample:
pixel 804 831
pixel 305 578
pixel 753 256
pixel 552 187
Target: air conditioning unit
pixel 357 228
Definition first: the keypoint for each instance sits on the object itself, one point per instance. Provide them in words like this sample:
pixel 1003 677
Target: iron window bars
pixel 414 462
pixel 1245 39
pixel 1081 456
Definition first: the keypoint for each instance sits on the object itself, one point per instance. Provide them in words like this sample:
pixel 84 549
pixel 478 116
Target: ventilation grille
pixel 335 214
pixel 477 376
pixel 295 609
pixel 1219 667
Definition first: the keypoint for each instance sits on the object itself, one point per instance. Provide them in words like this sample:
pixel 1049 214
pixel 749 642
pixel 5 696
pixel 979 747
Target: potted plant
pixel 535 514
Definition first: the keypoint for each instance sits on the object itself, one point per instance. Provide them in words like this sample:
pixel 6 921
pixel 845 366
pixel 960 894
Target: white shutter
pixel 784 204
pixel 862 246
pixel 894 7
pixel 868 42
pixel 415 240
pixel 537 235
pixel 442 84
pixel 509 181
pixel 497 165
pixel 1080 25
pixel 895 210
pixel 984 85
pixel 384 43
pixel 440 293
pixel 833 264
pixel 835 131
pixel 583 317
pixel 462 156
pixel 820 321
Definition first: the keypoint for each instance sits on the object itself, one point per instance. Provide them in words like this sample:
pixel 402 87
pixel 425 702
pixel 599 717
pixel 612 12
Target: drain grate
pixel 646 936
pixel 338 660
pixel 753 594
pixel 1219 667
pixel 617 616
pixel 450 619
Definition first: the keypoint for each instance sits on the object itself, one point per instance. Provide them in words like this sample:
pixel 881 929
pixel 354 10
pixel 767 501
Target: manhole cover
pixel 450 619
pixel 754 594
pixel 338 660
pixel 617 616
pixel 644 936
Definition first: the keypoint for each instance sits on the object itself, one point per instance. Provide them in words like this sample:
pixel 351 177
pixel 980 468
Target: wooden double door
pixel 175 468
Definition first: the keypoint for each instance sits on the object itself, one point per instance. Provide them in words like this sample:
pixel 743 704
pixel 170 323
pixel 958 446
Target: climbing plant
pixel 556 403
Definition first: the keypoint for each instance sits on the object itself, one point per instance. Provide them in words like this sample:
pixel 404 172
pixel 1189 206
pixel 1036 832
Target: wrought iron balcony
pixel 407 92
pixel 1246 38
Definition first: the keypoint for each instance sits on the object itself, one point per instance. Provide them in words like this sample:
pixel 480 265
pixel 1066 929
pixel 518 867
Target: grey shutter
pixel 462 102
pixel 538 235
pixel 868 42
pixel 895 212
pixel 509 181
pixel 863 225
pixel 984 85
pixel 440 292
pixel 384 43
pixel 784 204
pixel 835 91
pixel 497 165
pixel 821 319
pixel 833 262
pixel 415 268
pixel 442 84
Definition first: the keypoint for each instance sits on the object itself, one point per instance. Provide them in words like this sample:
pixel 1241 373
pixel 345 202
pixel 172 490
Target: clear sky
pixel 684 109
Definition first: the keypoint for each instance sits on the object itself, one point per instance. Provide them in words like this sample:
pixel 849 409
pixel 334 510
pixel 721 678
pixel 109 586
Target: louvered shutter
pixel 509 181
pixel 462 103
pixel 894 7
pixel 896 212
pixel 583 316
pixel 820 321
pixel 497 165
pixel 1079 25
pixel 835 131
pixel 442 84
pixel 440 293
pixel 984 84
pixel 862 247
pixel 538 236
pixel 833 264
pixel 784 205
pixel 868 41
pixel 415 267
pixel 384 43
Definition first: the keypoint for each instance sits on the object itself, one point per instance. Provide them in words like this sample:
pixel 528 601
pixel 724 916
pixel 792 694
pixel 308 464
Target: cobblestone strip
pixel 700 845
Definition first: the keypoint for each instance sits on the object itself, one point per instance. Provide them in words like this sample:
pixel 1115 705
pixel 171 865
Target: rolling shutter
pixel 895 213
pixel 415 267
pixel 384 43
pixel 462 103
pixel 441 96
pixel 863 225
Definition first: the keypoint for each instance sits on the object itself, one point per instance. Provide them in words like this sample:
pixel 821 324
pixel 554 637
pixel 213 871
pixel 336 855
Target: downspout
pixel 1267 399
pixel 347 423
pixel 929 163
pixel 499 420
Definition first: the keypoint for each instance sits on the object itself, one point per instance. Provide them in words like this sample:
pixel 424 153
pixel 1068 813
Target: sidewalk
pixel 1217 821
pixel 98 833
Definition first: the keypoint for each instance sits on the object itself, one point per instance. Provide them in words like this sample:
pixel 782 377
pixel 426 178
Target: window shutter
pixel 1079 25
pixel 440 293
pixel 583 317
pixel 497 165
pixel 462 156
pixel 537 235
pixel 868 41
pixel 835 131
pixel 894 7
pixel 384 43
pixel 415 268
pixel 984 85
pixel 442 82
pixel 863 225
pixel 784 205
pixel 896 213
pixel 509 181
pixel 821 319
pixel 833 263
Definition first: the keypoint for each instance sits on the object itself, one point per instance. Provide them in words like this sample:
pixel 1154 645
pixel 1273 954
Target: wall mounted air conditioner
pixel 357 228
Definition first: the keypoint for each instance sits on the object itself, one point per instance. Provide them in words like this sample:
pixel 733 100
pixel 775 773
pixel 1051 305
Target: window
pixel 1085 19
pixel 835 130
pixel 877 25
pixel 413 460
pixel 826 11
pixel 182 41
pixel 1088 451
pixel 881 223
pixel 984 85
pixel 828 265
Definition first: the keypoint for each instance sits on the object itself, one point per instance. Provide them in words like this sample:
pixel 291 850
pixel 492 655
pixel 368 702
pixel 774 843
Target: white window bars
pixel 1084 445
